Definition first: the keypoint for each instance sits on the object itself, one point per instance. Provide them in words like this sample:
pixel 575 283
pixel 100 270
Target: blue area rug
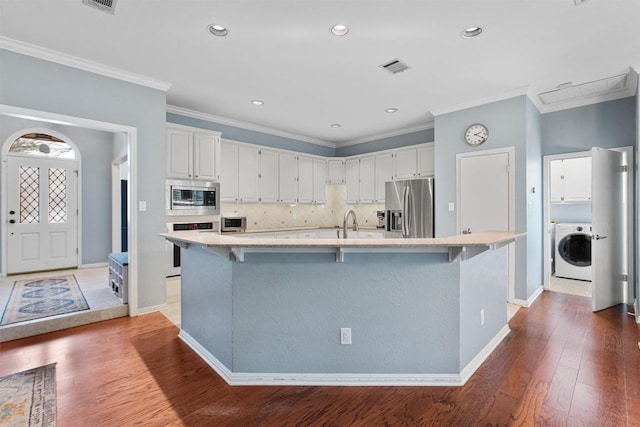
pixel 38 298
pixel 28 398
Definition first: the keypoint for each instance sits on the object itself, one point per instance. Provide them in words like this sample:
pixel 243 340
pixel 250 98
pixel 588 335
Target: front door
pixel 42 212
pixel 608 207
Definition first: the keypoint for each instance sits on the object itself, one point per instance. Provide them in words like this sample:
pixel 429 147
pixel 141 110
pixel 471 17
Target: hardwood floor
pixel 560 365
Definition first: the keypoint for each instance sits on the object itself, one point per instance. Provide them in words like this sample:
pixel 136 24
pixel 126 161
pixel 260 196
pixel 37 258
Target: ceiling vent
pixel 395 66
pixel 107 6
pixel 567 92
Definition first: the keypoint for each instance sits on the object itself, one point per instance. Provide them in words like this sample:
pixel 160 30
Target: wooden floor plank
pixel 560 365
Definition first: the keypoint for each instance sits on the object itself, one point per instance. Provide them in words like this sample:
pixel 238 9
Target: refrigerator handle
pixel 405 212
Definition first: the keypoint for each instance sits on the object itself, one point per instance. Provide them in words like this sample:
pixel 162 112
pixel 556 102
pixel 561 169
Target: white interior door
pixel 484 192
pixel 608 207
pixel 42 229
pixel 486 199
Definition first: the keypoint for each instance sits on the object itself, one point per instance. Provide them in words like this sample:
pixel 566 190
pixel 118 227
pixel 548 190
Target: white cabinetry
pixel 192 153
pixel 288 178
pixel 406 163
pixel 367 179
pixel 268 176
pixel 384 173
pixel 305 179
pixel 426 160
pixel 352 179
pixel 336 171
pixel 319 181
pixel 229 171
pixel 248 174
pixel 570 180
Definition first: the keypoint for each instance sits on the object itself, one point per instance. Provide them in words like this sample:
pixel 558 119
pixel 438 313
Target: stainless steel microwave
pixel 192 197
pixel 233 223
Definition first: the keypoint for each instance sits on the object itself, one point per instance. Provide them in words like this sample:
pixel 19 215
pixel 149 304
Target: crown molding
pixel 428 125
pixel 80 63
pixel 244 125
pixel 481 101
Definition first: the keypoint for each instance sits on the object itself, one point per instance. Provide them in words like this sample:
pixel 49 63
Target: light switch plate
pixel 142 206
pixel 452 207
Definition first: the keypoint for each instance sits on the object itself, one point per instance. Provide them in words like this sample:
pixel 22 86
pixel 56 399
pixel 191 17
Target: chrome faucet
pixel 344 223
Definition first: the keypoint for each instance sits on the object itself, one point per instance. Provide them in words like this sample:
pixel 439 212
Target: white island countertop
pixel 233 247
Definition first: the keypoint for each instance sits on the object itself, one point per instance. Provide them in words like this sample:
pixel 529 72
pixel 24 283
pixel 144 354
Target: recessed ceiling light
pixel 336 125
pixel 471 32
pixel 257 102
pixel 391 110
pixel 339 30
pixel 217 30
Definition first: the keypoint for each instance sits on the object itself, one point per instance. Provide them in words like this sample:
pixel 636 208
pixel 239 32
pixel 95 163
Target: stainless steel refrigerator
pixel 409 208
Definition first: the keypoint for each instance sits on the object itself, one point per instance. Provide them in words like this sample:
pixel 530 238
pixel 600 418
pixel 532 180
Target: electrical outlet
pixel 482 317
pixel 345 336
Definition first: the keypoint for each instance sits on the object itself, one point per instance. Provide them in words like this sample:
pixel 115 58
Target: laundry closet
pixel 570 197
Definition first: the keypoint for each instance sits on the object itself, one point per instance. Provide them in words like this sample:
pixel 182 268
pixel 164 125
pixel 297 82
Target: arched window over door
pixel 42 197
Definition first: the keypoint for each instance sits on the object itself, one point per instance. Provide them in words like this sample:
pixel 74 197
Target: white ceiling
pixel 282 52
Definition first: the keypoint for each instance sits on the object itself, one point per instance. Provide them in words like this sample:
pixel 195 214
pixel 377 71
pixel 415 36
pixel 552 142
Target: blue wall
pixel 40 85
pixel 413 138
pixel 507 124
pixel 252 137
pixel 607 124
pixel 95 150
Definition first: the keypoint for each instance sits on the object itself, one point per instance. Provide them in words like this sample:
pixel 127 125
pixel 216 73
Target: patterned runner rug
pixel 28 398
pixel 37 298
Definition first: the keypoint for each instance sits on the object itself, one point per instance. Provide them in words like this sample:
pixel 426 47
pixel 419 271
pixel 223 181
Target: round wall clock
pixel 476 134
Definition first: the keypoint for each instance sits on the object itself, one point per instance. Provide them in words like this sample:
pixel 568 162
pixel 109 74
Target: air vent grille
pixel 107 6
pixel 585 90
pixel 395 66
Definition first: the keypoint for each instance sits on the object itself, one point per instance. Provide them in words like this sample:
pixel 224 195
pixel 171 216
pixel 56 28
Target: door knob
pixel 598 237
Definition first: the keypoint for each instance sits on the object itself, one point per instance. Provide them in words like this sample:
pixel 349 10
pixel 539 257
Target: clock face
pixel 476 134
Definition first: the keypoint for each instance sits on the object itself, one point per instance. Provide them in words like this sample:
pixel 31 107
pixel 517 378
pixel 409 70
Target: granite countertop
pixel 480 239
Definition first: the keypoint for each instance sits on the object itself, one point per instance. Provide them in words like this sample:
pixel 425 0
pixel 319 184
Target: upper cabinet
pixel 229 171
pixel 336 171
pixel 320 174
pixel 268 176
pixel 414 162
pixel 384 173
pixel 288 177
pixel 192 153
pixel 570 180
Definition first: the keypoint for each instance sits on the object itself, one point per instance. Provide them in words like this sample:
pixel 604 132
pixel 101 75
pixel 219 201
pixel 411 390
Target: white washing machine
pixel 573 251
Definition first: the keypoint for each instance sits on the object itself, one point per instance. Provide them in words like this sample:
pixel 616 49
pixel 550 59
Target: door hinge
pixel 76 251
pixel 625 278
pixel 624 168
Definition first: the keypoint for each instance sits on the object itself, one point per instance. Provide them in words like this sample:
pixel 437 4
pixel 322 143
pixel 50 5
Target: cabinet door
pixel 319 181
pixel 577 179
pixel 248 174
pixel 555 181
pixel 426 161
pixel 384 173
pixel 352 178
pixel 288 176
pixel 367 179
pixel 179 154
pixel 228 171
pixel 268 176
pixel 305 179
pixel 336 171
pixel 204 156
pixel 406 163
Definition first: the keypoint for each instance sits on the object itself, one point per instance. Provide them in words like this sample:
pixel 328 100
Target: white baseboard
pixel 477 361
pixel 94 265
pixel 635 310
pixel 529 300
pixel 151 309
pixel 310 379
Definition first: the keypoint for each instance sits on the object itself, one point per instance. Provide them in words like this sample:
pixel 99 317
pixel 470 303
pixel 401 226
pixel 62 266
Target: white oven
pixel 173 251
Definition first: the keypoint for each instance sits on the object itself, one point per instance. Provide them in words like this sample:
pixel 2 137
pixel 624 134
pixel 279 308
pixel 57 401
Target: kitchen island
pixel 271 311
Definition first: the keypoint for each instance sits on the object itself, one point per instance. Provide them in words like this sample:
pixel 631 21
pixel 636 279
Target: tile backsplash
pixel 267 216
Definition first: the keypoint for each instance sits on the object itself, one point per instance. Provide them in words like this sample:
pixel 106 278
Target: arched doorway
pixel 41 185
